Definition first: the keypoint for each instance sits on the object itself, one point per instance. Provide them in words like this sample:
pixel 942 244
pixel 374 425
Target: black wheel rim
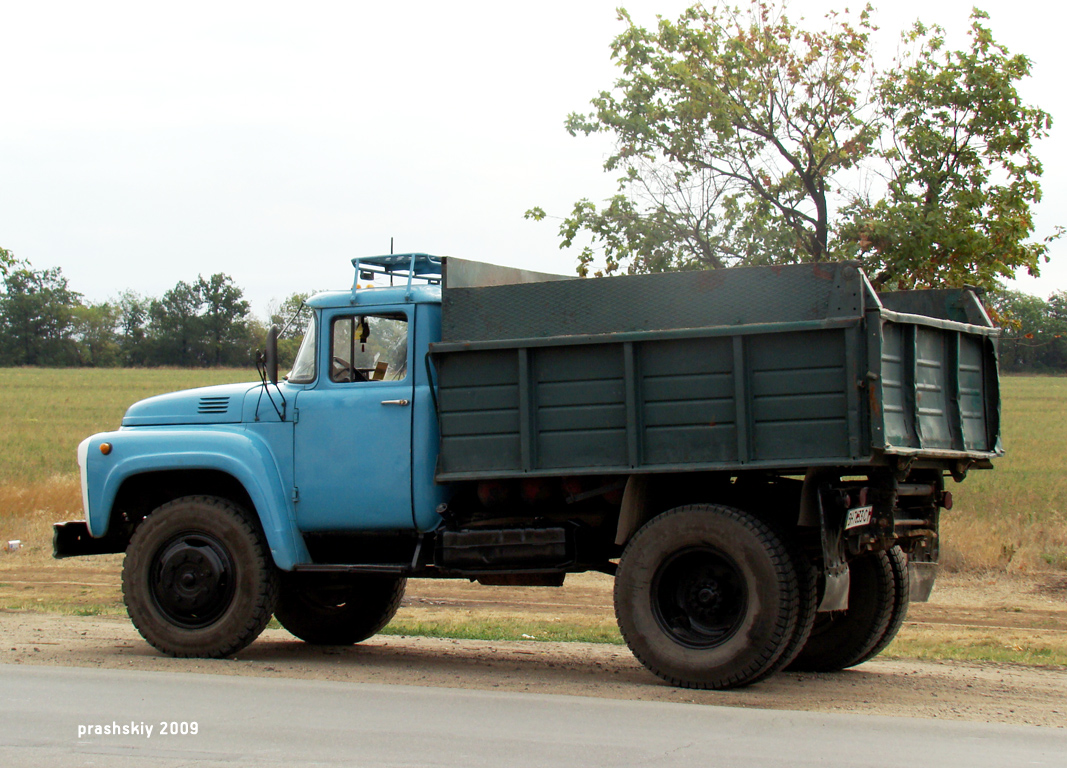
pixel 699 597
pixel 192 579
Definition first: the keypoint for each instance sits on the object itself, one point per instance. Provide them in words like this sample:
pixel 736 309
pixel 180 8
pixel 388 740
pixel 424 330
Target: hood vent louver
pixel 213 405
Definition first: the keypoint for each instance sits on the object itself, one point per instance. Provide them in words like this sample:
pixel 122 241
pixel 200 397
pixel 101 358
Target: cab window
pixel 369 348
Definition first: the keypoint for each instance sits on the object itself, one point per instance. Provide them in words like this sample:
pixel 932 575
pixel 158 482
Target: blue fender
pixel 239 452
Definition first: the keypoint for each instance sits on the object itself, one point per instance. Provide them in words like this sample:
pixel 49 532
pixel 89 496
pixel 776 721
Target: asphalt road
pixel 49 717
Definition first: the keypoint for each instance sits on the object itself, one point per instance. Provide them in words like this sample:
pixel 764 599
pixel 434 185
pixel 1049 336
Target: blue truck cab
pixel 346 442
pixel 758 456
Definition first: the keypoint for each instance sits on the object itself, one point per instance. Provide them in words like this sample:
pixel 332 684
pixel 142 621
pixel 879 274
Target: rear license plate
pixel 858 516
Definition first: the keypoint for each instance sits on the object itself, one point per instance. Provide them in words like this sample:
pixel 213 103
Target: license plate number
pixel 858 516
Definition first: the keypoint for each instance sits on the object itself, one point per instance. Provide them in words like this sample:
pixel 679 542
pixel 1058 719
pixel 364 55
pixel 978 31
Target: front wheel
pixel 198 579
pixel 706 597
pixel 324 612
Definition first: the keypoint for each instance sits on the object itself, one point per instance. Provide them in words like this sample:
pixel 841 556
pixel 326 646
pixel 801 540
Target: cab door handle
pixel 396 402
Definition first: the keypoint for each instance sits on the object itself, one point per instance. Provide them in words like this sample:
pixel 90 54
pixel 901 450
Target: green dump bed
pixel 780 368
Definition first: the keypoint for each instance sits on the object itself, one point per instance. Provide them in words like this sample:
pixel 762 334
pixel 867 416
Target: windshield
pixel 304 366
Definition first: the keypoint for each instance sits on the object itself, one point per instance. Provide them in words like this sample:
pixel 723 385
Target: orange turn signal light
pixel 105 448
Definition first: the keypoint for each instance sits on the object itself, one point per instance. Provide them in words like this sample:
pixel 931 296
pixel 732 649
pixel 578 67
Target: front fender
pixel 236 451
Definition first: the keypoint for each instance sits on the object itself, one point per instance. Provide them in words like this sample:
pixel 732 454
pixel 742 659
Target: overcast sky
pixel 144 143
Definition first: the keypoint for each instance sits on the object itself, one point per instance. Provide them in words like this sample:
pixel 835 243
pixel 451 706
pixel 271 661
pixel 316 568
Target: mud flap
pixel 921 576
pixel 835 569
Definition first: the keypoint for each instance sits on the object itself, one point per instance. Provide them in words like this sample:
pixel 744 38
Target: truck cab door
pixel 352 437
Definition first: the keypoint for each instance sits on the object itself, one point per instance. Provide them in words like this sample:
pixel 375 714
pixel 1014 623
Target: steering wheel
pixel 345 371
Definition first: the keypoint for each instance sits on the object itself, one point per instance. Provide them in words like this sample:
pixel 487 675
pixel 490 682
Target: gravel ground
pixel 951 690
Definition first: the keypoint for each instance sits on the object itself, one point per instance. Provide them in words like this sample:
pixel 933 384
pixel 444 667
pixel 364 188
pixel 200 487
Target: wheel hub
pixel 699 597
pixel 193 579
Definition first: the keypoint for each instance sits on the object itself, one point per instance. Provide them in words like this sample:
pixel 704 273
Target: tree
pixel 1033 331
pixel 962 173
pixel 744 139
pixel 291 325
pixel 731 131
pixel 94 334
pixel 175 330
pixel 203 323
pixel 37 317
pixel 225 320
pixel 7 261
pixel 133 313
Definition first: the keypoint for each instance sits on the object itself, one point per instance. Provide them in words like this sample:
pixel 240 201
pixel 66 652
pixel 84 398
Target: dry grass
pixel 27 512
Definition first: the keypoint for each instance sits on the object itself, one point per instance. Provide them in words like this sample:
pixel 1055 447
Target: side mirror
pixel 271 355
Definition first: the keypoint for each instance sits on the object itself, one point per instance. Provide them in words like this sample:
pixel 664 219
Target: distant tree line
pixel 206 322
pixel 209 323
pixel 1033 331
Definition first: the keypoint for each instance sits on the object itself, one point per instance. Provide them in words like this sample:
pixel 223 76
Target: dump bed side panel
pixel 657 404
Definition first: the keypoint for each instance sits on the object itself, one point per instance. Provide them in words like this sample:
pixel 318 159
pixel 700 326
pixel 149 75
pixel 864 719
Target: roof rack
pixel 410 265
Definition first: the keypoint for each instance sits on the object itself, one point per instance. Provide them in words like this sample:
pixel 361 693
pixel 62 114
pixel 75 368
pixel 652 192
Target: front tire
pixel 198 579
pixel 322 612
pixel 706 597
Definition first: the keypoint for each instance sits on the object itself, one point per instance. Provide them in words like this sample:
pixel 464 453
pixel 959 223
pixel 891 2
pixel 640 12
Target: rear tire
pixel 323 612
pixel 842 639
pixel 198 579
pixel 706 597
pixel 898 562
pixel 808 590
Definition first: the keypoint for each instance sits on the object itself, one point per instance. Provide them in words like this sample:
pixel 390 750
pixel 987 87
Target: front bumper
pixel 72 539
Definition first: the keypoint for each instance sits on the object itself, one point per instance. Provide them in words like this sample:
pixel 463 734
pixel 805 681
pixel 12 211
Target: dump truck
pixel 757 456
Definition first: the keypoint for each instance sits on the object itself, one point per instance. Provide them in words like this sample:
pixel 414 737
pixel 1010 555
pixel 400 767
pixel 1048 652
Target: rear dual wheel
pixel 707 597
pixel 878 598
pixel 325 611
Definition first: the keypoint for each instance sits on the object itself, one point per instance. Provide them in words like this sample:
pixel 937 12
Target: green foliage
pixel 225 318
pixel 7 261
pixel 1033 331
pixel 290 316
pixel 962 173
pixel 45 323
pixel 201 323
pixel 37 317
pixel 174 326
pixel 742 138
pixel 96 342
pixel 731 128
pixel 132 328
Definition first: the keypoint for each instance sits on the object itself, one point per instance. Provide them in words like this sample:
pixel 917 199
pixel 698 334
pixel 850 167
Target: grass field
pixel 1011 519
pixel 45 413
